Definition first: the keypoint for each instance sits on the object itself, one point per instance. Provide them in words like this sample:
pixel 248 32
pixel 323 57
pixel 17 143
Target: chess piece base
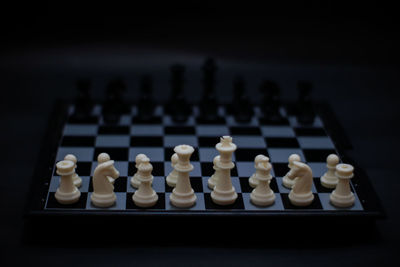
pixel 342 201
pixel 262 200
pixel 103 201
pixel 67 198
pixel 301 199
pixel 183 200
pixel 145 201
pixel 329 182
pixel 224 197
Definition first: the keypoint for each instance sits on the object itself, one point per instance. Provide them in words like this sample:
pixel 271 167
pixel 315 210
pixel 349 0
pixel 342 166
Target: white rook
pixel 67 192
pixel 342 195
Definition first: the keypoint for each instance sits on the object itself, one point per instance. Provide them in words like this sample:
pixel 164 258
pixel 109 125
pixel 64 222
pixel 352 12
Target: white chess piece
pixel 253 180
pixel 329 179
pixel 103 191
pixel 212 181
pixel 289 179
pixel 224 193
pixel 183 195
pixel 262 195
pixel 77 180
pixel 67 192
pixel 173 175
pixel 342 195
pixel 134 181
pixel 103 157
pixel 301 194
pixel 145 196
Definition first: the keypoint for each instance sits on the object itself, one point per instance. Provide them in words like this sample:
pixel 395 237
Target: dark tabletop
pixel 350 57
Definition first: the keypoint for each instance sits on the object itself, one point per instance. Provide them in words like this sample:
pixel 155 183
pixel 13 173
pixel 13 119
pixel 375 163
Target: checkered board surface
pixel 156 139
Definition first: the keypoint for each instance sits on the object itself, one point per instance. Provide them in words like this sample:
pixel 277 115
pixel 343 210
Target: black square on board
pixel 208 141
pixel 317 155
pixel 116 153
pixel 180 130
pixel 237 205
pixel 160 205
pixel 153 120
pixel 282 142
pixel 280 122
pixel 316 204
pixel 52 202
pixel 169 151
pixel 219 120
pixel 304 131
pixel 207 168
pixel 245 130
pixel 248 154
pixel 197 184
pixel 87 120
pixel 78 141
pixel 147 141
pixel 280 169
pixel 112 129
pixel 158 168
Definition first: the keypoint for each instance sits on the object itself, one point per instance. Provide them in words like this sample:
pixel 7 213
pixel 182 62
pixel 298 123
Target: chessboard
pixel 157 138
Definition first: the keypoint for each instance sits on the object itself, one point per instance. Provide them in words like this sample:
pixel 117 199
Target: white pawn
pixel 139 158
pixel 289 179
pixel 253 181
pixel 173 175
pixel 183 195
pixel 77 180
pixel 145 196
pixel 262 195
pixel 329 179
pixel 301 194
pixel 67 192
pixel 342 196
pixel 101 158
pixel 212 181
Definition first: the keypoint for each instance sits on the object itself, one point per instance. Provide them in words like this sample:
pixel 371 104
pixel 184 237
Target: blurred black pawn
pixel 270 104
pixel 114 106
pixel 208 104
pixel 305 111
pixel 241 106
pixel 177 105
pixel 146 103
pixel 83 101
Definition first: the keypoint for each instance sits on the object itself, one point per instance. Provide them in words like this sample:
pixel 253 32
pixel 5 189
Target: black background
pixel 349 50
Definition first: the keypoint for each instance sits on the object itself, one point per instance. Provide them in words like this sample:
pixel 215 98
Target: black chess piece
pixel 117 88
pixel 270 104
pixel 113 106
pixel 83 101
pixel 146 103
pixel 305 110
pixel 209 104
pixel 177 105
pixel 241 106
